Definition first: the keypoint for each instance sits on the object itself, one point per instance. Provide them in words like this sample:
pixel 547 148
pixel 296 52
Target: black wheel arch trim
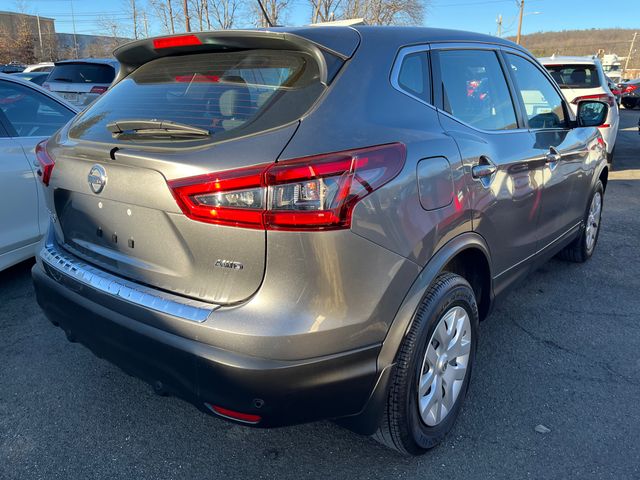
pixel 366 422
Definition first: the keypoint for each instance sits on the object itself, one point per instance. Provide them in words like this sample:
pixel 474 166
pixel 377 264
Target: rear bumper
pixel 280 392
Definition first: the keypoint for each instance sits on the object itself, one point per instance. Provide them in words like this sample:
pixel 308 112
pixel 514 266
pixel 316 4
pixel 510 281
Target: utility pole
pixel 520 21
pixel 73 21
pixel 135 19
pixel 40 38
pixel 626 62
pixel 187 24
pixel 499 22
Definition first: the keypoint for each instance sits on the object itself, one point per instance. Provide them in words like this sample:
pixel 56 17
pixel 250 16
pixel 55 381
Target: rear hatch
pixel 112 173
pixel 80 83
pixel 577 80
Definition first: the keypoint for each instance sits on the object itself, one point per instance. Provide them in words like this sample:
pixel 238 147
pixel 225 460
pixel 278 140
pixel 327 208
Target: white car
pixel 39 67
pixel 81 81
pixel 583 78
pixel 28 115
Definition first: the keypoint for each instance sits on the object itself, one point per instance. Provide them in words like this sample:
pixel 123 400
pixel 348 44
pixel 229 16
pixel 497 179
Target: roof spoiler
pixel 314 41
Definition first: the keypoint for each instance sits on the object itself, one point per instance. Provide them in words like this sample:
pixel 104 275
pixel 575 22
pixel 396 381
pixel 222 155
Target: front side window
pixel 475 90
pixel 543 104
pixel 30 113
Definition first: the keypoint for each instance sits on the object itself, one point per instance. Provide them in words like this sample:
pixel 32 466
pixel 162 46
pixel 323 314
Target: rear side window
pixel 475 90
pixel 82 73
pixel 414 77
pixel 229 94
pixel 575 76
pixel 542 102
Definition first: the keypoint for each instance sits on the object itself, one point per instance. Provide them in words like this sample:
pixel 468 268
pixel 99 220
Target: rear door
pixel 111 191
pixel 478 110
pixel 28 117
pixel 567 171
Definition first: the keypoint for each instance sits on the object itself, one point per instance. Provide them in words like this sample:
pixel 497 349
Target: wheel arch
pixel 461 254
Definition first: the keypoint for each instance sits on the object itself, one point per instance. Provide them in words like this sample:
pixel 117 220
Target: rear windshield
pixel 575 76
pixel 229 94
pixel 83 73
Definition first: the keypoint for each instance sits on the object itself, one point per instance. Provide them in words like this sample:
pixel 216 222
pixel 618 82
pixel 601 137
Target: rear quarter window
pixel 229 94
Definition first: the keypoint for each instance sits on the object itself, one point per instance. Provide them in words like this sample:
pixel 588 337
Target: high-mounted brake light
pixel 178 41
pixel 600 97
pixel 310 193
pixel 98 90
pixel 46 162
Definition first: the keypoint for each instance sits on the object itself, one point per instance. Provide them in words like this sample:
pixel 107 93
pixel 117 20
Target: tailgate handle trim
pixel 126 290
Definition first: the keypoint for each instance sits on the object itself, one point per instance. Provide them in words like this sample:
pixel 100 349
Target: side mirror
pixel 592 113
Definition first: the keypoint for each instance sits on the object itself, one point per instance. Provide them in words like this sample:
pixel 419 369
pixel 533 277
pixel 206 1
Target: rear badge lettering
pixel 229 264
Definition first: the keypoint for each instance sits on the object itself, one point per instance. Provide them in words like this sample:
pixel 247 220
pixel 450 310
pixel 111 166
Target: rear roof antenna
pixel 264 12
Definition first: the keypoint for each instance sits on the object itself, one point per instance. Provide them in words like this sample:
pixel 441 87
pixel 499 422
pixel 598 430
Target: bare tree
pixel 225 12
pixel 325 10
pixel 163 10
pixel 386 12
pixel 24 41
pixel 277 11
pixel 187 18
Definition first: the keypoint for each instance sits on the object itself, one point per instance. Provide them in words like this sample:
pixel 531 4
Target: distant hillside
pixel 584 42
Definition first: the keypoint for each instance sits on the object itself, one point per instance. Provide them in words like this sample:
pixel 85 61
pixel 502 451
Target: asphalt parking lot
pixel 562 351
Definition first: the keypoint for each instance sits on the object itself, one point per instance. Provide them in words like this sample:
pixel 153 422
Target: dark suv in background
pixel 287 225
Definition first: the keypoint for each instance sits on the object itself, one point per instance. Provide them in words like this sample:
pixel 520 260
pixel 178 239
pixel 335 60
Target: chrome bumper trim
pixel 76 269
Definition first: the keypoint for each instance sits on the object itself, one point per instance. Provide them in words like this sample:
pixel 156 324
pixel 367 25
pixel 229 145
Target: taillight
pixel 98 90
pixel 630 88
pixel 600 97
pixel 177 41
pixel 46 162
pixel 310 193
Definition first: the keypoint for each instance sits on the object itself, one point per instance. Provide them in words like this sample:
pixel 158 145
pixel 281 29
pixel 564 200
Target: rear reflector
pixel 98 90
pixel 46 162
pixel 179 41
pixel 232 414
pixel 310 193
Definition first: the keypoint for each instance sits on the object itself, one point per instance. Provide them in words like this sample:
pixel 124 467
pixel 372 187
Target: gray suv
pixel 287 225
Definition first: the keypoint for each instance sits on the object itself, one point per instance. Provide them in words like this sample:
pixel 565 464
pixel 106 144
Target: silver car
pixel 28 115
pixel 81 81
pixel 287 225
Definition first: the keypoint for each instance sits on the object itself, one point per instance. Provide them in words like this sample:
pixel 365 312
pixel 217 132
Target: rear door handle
pixel 483 170
pixel 553 156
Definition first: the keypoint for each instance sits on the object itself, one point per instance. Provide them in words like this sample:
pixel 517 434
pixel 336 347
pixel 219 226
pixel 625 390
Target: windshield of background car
pixel 228 94
pixel 82 73
pixel 575 76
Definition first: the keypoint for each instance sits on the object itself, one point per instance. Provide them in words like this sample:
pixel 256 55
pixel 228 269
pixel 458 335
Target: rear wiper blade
pixel 62 79
pixel 155 128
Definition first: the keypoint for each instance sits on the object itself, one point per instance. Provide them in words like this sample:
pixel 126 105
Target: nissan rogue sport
pixel 287 225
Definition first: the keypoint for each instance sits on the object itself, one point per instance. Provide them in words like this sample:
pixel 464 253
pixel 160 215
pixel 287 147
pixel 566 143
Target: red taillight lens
pixel 630 88
pixel 46 162
pixel 311 193
pixel 98 90
pixel 600 97
pixel 178 41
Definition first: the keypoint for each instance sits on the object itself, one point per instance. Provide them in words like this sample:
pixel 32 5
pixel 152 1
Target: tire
pixel 582 248
pixel 403 427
